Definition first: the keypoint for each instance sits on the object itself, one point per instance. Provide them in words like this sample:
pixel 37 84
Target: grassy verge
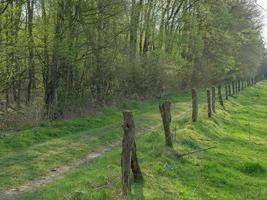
pixel 31 153
pixel 235 169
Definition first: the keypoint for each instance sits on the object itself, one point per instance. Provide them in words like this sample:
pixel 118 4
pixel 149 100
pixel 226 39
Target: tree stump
pixel 194 105
pixel 128 156
pixel 220 95
pixel 213 102
pixel 165 111
pixel 209 103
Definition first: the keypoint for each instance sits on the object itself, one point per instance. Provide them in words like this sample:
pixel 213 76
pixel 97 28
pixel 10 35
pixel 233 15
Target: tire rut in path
pixel 12 194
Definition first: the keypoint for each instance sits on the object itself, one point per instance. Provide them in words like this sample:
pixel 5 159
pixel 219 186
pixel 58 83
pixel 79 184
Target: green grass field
pixel 235 169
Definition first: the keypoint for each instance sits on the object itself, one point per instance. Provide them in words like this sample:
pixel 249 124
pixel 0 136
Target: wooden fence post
pixel 226 91
pixel 220 95
pixel 213 94
pixel 236 87
pixel 194 105
pixel 165 111
pixel 128 156
pixel 229 89
pixel 209 103
pixel 233 88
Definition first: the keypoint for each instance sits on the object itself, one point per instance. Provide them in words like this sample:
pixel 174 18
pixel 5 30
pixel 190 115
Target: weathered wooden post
pixel 213 102
pixel 236 87
pixel 194 105
pixel 233 88
pixel 229 89
pixel 128 156
pixel 165 111
pixel 209 103
pixel 239 85
pixel 226 91
pixel 220 95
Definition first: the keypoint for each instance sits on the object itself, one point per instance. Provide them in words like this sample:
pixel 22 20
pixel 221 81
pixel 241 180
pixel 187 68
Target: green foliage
pixel 87 53
pixel 253 169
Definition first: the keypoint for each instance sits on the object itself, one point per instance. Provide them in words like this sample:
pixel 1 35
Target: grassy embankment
pixel 31 153
pixel 235 169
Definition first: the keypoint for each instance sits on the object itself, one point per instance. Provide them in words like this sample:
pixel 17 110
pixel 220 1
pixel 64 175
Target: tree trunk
pixel 31 70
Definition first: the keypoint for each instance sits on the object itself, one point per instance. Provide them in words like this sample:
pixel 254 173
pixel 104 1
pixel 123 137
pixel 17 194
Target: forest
pixel 133 99
pixel 62 59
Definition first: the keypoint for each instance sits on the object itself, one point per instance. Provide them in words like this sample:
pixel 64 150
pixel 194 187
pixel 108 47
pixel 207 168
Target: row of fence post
pixel 129 161
pixel 232 88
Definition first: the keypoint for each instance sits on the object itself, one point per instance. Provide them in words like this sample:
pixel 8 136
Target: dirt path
pixel 12 194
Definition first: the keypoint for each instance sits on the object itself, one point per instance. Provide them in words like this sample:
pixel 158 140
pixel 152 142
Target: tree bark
pixel 31 70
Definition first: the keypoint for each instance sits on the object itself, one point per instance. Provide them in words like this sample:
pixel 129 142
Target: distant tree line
pixel 71 53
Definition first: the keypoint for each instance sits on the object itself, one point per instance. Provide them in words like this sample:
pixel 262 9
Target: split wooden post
pixel 213 102
pixel 220 95
pixel 165 111
pixel 194 105
pixel 128 156
pixel 209 103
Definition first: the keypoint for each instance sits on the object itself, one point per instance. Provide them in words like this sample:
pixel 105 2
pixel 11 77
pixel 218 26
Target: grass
pixel 235 169
pixel 31 153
